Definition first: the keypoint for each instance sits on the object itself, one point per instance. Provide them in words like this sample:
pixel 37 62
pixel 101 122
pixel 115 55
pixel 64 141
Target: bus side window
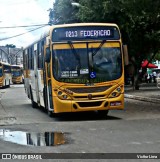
pixel 40 55
pixel 28 58
pixel 32 57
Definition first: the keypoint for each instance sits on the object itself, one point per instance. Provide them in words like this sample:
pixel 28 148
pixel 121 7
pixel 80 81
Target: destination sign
pixel 85 32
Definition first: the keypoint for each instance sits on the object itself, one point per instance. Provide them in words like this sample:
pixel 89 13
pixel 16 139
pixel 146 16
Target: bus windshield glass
pixel 73 65
pixel 16 73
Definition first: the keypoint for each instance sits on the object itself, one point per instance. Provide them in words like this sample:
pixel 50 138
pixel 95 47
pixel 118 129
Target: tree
pixel 64 12
pixel 157 57
pixel 144 33
pixel 139 22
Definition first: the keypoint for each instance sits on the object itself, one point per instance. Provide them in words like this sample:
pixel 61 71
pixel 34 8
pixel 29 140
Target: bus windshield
pixel 1 72
pixel 72 65
pixel 16 73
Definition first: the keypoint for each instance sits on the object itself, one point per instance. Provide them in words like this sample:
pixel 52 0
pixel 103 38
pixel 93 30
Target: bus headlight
pixel 118 89
pixel 63 96
pixel 116 92
pixel 59 93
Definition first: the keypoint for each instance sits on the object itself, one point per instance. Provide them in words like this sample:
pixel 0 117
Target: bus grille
pixel 90 104
pixel 93 97
pixel 89 89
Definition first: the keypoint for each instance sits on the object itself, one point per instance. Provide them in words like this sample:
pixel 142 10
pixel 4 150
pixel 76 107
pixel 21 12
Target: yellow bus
pixel 76 67
pixel 17 74
pixel 5 75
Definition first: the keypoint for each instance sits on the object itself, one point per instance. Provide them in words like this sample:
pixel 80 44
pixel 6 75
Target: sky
pixel 22 13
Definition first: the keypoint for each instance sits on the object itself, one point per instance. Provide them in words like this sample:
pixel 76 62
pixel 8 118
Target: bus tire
pixel 45 99
pixel 9 84
pixel 34 104
pixel 5 85
pixel 23 81
pixel 50 113
pixel 103 113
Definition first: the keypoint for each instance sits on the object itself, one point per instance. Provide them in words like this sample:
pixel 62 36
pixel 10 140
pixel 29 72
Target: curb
pixel 147 99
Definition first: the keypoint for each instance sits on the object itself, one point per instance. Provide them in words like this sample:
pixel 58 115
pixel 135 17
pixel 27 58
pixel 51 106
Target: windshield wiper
pixel 75 53
pixel 100 46
pixel 91 54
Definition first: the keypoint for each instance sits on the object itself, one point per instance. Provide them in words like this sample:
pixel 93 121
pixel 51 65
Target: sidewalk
pixel 147 92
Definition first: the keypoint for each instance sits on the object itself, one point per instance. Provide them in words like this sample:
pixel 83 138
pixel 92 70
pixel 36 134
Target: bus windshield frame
pixel 16 71
pixel 93 62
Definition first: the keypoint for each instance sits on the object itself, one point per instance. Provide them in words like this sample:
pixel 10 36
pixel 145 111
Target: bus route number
pixel 71 34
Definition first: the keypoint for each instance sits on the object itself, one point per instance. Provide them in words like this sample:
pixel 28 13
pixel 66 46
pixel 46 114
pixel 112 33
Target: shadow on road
pixel 83 116
pixel 78 116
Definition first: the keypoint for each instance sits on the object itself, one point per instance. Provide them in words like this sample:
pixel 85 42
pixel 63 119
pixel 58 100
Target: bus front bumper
pixel 88 105
pixel 16 80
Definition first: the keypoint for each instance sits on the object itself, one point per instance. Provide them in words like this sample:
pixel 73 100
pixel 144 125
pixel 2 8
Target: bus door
pixel 47 81
pixel 36 73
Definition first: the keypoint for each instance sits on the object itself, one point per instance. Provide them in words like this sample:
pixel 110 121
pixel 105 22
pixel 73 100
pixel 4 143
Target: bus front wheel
pixel 34 104
pixel 50 113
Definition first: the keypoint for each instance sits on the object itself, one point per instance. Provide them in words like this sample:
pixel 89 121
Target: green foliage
pixel 157 57
pixel 139 21
pixel 143 32
pixel 64 12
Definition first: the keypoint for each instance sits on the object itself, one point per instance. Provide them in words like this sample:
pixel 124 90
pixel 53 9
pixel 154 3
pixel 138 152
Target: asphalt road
pixel 133 130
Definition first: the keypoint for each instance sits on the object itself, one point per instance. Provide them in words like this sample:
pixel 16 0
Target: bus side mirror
pixel 125 52
pixel 48 55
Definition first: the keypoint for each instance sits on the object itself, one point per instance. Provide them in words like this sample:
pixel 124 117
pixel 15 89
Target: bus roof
pixel 41 36
pixel 50 28
pixel 4 63
pixel 21 66
pixel 83 24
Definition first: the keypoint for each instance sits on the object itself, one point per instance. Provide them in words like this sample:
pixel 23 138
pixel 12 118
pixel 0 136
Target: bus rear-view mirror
pixel 125 52
pixel 48 55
